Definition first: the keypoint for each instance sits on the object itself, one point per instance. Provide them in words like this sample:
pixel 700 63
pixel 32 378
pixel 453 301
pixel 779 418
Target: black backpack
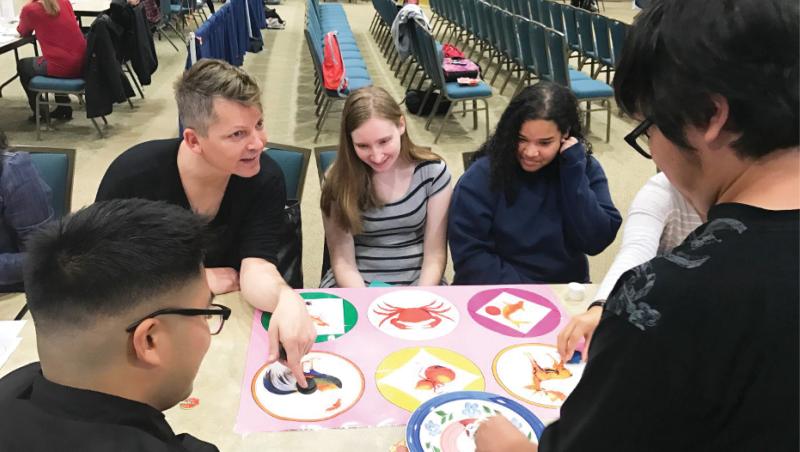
pixel 413 102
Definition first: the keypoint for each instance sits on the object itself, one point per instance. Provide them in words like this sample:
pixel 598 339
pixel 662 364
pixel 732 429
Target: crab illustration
pixel 420 317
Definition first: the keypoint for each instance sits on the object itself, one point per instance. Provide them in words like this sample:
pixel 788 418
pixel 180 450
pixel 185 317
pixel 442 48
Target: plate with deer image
pixel 416 315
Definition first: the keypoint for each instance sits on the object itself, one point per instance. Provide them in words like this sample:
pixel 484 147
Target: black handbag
pixel 290 250
pixel 413 102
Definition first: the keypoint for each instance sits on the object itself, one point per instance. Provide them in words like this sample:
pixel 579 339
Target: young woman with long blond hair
pixel 384 200
pixel 62 43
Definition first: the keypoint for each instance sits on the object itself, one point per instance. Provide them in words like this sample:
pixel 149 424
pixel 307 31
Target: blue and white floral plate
pixel 447 423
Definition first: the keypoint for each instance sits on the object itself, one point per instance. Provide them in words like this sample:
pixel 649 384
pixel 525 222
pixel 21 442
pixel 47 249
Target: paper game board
pixel 382 352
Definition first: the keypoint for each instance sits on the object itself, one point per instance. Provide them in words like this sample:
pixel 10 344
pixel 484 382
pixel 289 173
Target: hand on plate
pixel 581 326
pixel 498 434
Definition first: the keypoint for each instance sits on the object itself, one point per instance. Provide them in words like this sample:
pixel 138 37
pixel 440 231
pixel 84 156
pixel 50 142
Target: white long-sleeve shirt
pixel 659 219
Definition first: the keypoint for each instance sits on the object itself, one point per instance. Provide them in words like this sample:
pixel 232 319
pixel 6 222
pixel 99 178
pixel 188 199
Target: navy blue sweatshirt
pixel 561 213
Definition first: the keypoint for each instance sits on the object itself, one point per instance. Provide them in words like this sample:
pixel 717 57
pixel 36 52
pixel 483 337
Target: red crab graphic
pixel 427 316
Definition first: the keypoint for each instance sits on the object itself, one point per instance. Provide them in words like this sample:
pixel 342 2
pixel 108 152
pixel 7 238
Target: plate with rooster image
pixel 447 423
pixel 416 315
pixel 411 376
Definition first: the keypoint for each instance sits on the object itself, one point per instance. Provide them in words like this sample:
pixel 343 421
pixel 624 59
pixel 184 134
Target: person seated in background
pixel 123 318
pixel 697 350
pixel 217 169
pixel 659 219
pixel 24 207
pixel 384 200
pixel 63 48
pixel 535 202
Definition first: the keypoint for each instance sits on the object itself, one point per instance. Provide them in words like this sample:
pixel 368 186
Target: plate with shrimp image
pixel 534 373
pixel 416 315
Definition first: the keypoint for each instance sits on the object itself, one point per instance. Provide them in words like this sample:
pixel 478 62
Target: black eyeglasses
pixel 639 139
pixel 216 316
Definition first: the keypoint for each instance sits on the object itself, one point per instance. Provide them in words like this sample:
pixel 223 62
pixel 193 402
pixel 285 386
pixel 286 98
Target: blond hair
pixel 347 191
pixel 51 7
pixel 206 80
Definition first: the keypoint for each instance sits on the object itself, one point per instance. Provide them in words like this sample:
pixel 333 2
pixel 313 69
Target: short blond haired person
pixel 217 169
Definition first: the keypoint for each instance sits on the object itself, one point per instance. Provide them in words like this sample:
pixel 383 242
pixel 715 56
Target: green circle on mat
pixel 350 314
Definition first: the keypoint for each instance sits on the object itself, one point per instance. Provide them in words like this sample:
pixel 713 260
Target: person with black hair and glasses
pixel 24 207
pixel 123 316
pixel 698 349
pixel 535 202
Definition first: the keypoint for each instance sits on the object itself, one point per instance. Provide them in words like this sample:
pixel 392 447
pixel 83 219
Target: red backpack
pixel 333 71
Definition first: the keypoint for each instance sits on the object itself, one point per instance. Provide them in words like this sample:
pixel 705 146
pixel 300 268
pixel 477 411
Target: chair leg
pixel 325 111
pixel 160 33
pixel 510 73
pixel 444 120
pixel 486 110
pixel 435 108
pixel 38 127
pixel 474 114
pixel 608 120
pixel 135 79
pixel 97 127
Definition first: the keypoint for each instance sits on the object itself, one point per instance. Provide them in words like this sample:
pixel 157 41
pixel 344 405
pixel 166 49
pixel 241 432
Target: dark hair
pixel 679 55
pixel 544 100
pixel 110 257
pixel 3 141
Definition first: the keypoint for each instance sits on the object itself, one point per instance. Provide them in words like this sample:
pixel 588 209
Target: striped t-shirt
pixel 390 246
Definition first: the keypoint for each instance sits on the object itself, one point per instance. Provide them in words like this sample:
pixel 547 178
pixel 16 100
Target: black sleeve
pixel 112 186
pixel 630 391
pixel 263 225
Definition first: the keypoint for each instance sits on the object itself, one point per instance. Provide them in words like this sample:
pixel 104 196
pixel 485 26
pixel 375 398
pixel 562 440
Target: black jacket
pixel 137 44
pixel 105 82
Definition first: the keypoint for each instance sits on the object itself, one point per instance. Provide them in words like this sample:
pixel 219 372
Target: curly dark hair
pixel 544 100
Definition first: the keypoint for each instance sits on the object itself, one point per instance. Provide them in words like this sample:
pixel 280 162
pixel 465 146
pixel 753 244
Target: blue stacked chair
pixel 539 56
pixel 602 45
pixel 321 19
pixel 618 32
pixel 431 56
pixel 587 51
pixel 587 90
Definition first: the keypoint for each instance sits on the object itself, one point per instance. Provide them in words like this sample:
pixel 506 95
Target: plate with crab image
pixel 416 315
pixel 447 423
pixel 411 376
pixel 535 373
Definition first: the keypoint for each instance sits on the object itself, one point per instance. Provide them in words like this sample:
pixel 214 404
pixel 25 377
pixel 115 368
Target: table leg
pixel 16 58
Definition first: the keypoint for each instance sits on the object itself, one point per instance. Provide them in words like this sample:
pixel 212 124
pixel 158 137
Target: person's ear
pixel 148 340
pixel 402 125
pixel 714 131
pixel 192 140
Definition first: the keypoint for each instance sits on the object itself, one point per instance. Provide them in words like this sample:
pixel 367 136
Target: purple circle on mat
pixel 546 325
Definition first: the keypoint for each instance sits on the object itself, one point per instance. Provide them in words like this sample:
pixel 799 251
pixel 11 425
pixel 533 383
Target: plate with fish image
pixel 447 423
pixel 514 312
pixel 534 373
pixel 416 315
pixel 339 384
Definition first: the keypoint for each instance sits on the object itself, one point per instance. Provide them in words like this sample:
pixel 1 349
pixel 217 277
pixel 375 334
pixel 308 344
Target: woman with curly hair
pixel 384 200
pixel 535 202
